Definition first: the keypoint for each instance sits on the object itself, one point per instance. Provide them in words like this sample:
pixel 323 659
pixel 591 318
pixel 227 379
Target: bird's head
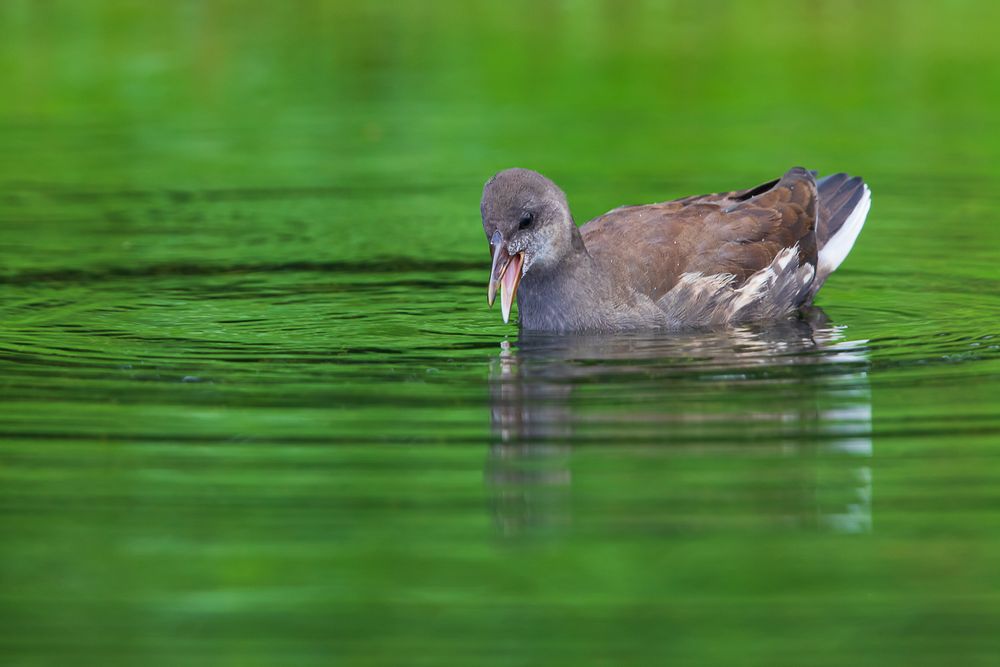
pixel 528 225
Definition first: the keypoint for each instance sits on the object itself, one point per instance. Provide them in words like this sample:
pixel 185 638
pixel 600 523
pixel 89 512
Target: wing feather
pixel 738 233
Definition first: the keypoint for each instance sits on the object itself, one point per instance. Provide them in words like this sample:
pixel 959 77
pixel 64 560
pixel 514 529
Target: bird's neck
pixel 558 297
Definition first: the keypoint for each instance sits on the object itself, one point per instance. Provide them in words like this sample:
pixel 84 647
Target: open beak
pixel 505 274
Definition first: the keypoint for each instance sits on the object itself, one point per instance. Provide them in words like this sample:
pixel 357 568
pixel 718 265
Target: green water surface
pixel 254 409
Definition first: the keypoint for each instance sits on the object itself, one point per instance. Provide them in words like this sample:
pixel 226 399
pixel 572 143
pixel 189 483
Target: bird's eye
pixel 526 220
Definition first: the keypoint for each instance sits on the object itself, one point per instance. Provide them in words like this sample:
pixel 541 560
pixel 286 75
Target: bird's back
pixel 735 256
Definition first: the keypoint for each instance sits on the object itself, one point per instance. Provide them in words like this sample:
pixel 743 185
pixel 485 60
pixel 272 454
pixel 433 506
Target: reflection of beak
pixel 505 273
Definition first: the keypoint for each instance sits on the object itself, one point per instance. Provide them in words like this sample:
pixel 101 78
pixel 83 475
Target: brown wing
pixel 738 233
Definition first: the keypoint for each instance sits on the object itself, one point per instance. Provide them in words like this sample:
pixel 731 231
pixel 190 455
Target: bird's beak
pixel 505 273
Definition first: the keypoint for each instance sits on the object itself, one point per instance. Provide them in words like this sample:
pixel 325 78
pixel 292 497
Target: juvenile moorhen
pixel 703 261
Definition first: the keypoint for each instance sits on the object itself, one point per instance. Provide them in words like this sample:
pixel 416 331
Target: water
pixel 256 412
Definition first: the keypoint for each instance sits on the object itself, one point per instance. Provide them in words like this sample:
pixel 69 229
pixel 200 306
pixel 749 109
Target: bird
pixel 714 260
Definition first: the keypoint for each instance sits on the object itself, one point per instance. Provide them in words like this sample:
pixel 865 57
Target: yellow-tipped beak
pixel 505 274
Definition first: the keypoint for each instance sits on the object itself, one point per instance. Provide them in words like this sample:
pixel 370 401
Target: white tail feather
pixel 837 247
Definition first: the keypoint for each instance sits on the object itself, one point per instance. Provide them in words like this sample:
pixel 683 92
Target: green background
pixel 255 411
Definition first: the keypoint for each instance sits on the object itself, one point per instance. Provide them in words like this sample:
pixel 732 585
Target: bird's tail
pixel 843 206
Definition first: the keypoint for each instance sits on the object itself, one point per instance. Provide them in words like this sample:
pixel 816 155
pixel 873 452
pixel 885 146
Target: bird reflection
pixel 796 390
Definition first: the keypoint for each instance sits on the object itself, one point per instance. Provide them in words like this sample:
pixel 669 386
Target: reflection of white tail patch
pixel 772 292
pixel 838 245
